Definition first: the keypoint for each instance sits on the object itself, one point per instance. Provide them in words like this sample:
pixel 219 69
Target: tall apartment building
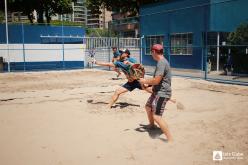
pixel 17 17
pixel 99 21
pixel 82 15
pixel 125 26
pixel 79 12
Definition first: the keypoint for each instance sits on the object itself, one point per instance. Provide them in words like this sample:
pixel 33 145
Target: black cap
pixel 126 51
pixel 120 51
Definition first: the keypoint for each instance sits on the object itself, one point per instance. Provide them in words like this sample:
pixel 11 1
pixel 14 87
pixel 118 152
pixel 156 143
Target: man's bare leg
pixel 163 126
pixel 150 117
pixel 116 95
pixel 117 71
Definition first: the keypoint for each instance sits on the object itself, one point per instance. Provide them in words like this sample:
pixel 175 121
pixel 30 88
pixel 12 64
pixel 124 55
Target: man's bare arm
pixel 110 64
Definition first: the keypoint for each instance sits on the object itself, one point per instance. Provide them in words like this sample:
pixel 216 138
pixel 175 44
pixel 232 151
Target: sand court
pixel 59 117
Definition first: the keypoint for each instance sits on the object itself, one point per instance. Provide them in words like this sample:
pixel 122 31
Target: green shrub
pixel 239 38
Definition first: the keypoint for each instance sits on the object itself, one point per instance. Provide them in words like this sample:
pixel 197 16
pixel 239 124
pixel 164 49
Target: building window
pixel 151 40
pixel 181 44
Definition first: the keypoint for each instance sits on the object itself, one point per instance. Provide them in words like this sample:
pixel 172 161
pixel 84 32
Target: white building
pixel 82 15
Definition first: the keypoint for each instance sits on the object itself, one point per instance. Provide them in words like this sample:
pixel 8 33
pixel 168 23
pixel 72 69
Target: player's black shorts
pixel 132 85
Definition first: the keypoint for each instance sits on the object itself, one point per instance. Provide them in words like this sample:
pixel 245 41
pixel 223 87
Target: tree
pixel 53 7
pixel 122 6
pixel 1 5
pixel 239 54
pixel 240 36
pixel 25 6
pixel 63 6
pixel 47 7
pixel 99 32
pixel 1 16
pixel 56 7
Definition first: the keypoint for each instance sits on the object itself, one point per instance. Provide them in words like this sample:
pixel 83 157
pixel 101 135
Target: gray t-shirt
pixel 163 89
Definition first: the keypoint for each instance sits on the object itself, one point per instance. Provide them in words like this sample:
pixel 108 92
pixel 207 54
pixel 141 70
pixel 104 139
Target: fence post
pixel 206 18
pixel 206 56
pixel 218 51
pixel 118 42
pixel 63 46
pixel 23 48
pixel 109 50
pixel 202 57
pixel 141 49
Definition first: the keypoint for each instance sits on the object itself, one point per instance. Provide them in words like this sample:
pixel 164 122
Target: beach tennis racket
pixel 137 71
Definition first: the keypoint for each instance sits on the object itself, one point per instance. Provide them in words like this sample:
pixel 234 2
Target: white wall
pixel 43 52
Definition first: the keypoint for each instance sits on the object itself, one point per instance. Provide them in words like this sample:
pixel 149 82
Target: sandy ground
pixel 59 118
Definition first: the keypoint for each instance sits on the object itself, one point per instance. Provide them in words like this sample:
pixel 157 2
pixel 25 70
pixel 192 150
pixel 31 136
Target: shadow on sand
pixel 107 92
pixel 124 105
pixel 116 78
pixel 98 102
pixel 154 132
pixel 119 104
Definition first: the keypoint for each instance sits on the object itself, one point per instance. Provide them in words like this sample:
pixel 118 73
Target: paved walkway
pixel 213 75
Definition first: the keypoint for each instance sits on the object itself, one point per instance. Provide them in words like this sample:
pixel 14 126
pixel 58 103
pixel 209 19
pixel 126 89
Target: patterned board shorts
pixel 157 104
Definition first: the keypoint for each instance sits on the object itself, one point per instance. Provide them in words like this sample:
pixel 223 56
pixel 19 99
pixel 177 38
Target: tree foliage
pixel 239 38
pixel 1 16
pixel 2 5
pixel 122 6
pixel 47 7
pixel 100 33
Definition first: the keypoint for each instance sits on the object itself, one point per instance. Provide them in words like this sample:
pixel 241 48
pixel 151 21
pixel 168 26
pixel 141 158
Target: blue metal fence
pixel 28 51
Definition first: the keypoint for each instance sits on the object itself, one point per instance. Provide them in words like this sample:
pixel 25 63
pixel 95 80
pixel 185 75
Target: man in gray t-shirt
pixel 161 90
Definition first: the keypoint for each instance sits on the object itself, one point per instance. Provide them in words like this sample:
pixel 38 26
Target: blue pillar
pixel 63 45
pixel 168 48
pixel 23 49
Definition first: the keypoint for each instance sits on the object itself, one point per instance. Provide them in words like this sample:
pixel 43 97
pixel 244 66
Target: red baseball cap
pixel 157 47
